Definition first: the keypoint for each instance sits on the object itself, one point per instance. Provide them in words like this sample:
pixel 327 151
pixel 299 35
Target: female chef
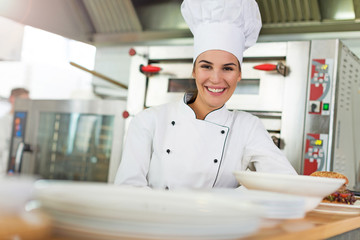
pixel 197 142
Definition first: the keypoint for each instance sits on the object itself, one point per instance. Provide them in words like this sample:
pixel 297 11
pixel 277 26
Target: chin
pixel 216 105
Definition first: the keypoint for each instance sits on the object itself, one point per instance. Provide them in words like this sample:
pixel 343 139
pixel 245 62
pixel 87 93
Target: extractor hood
pixel 127 21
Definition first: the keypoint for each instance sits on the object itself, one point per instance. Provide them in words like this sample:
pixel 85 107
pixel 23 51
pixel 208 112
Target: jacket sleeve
pixel 261 151
pixel 137 151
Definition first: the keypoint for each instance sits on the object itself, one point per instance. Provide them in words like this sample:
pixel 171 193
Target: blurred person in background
pixel 6 127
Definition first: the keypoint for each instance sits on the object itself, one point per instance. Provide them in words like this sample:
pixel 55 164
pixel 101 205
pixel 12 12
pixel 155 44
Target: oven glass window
pixel 248 86
pixel 181 84
pixel 74 146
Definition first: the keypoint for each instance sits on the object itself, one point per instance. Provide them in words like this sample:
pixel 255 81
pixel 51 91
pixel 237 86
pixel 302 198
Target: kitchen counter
pixel 314 226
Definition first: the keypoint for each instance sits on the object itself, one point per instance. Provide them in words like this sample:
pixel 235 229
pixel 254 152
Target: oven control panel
pixel 318 115
pixel 315 152
pixel 18 136
pixel 319 97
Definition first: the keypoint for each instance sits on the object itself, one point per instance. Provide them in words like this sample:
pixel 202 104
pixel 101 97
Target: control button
pixel 325 106
pixel 173 123
pixel 215 160
pixel 316 143
pixel 222 131
pixel 168 151
pixel 315 107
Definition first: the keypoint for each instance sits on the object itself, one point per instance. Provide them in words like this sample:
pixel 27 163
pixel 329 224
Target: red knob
pixel 132 52
pixel 125 114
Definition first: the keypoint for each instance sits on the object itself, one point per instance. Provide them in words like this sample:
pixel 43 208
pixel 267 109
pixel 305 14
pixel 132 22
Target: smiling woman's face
pixel 216 73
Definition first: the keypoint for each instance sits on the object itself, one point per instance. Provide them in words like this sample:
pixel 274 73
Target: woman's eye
pixel 228 68
pixel 205 66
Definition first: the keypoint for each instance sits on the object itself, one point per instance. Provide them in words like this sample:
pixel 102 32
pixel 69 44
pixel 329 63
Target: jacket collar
pixel 219 116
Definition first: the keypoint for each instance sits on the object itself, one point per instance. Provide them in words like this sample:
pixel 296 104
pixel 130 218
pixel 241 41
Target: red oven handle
pixel 280 68
pixel 266 67
pixel 149 69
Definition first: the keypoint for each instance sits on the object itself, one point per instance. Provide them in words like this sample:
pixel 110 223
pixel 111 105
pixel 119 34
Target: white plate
pixel 135 203
pixel 334 208
pixel 313 188
pixel 275 205
pixel 113 212
pixel 111 228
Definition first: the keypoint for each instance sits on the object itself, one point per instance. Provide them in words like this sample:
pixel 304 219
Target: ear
pixel 12 99
pixel 239 78
pixel 193 73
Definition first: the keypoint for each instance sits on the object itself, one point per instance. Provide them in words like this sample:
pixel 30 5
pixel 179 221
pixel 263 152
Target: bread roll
pixel 330 175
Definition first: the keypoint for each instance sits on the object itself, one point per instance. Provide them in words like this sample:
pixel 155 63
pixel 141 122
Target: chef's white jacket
pixel 167 147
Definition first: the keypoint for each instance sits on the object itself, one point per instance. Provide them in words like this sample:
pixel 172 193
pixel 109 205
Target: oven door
pixel 257 91
pixel 67 139
pixel 170 84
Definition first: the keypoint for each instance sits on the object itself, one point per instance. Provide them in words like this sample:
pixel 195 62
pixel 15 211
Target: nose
pixel 215 77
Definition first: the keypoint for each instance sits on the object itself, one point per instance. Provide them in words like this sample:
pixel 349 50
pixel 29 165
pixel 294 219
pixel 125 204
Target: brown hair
pixel 15 92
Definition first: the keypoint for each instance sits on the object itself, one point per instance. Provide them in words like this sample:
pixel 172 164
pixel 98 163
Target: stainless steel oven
pixel 78 140
pixel 332 119
pixel 313 112
pixel 278 100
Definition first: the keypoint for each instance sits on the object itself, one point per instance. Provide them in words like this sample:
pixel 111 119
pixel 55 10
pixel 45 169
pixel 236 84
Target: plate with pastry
pixel 342 201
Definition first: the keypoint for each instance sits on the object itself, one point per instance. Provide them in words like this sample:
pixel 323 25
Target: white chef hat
pixel 229 25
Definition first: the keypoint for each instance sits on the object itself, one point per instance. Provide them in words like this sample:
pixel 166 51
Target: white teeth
pixel 216 90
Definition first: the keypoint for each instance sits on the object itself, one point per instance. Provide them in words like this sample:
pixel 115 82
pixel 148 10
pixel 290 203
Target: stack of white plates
pixel 275 205
pixel 101 211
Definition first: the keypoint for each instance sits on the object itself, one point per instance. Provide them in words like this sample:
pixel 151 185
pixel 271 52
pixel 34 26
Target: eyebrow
pixel 226 64
pixel 205 61
pixel 230 64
